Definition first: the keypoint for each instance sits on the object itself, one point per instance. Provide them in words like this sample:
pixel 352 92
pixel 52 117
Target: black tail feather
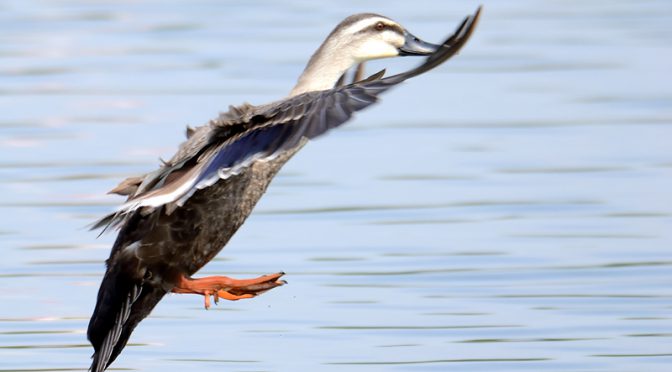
pixel 122 303
pixel 103 355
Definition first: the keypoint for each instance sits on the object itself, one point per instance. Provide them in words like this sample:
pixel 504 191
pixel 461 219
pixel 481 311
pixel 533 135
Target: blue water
pixel 509 211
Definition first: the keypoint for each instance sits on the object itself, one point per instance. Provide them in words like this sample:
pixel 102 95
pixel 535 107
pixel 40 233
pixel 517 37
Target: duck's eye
pixel 380 26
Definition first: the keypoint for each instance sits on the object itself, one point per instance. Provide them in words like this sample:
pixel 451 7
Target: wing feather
pixel 247 134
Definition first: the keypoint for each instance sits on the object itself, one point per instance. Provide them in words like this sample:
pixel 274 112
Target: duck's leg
pixel 228 288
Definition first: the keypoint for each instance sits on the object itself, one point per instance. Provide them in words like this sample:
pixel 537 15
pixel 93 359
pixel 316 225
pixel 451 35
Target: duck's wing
pixel 262 133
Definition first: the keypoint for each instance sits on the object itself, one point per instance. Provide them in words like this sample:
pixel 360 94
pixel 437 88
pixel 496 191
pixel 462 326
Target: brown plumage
pixel 177 218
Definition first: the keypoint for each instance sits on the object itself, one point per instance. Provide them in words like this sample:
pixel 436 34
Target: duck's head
pixel 370 36
pixel 358 38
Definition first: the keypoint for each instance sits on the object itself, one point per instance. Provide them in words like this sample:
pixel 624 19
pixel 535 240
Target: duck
pixel 180 216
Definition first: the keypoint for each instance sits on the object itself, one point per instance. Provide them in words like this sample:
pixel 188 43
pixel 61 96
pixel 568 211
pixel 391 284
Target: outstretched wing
pixel 273 128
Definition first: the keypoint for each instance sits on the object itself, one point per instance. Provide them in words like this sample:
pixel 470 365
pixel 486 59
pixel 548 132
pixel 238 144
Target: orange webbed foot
pixel 228 288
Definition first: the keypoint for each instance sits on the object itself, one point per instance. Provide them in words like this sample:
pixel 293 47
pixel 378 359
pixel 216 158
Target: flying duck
pixel 180 216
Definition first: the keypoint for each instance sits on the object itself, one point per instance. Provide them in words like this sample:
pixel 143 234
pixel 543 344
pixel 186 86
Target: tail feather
pixel 123 301
pixel 102 356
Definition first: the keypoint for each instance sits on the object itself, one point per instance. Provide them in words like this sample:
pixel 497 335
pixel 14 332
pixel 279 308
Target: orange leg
pixel 228 288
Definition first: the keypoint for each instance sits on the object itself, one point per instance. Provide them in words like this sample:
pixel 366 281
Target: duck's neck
pixel 324 69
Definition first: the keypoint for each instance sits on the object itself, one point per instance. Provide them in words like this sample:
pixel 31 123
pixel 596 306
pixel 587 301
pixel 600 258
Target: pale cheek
pixel 376 49
pixel 394 38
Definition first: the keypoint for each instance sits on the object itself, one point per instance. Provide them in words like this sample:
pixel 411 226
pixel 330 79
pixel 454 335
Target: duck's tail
pixel 122 303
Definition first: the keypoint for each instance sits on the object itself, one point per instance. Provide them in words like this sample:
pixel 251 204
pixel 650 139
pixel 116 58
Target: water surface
pixel 510 211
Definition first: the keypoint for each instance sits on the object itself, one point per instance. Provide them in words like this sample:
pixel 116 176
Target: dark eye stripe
pixel 373 28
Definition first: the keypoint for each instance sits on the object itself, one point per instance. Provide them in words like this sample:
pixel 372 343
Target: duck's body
pixel 173 247
pixel 179 217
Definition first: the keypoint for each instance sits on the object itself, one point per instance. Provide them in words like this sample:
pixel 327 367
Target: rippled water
pixel 510 211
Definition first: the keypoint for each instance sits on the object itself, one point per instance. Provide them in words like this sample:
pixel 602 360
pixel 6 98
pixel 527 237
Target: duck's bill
pixel 413 46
